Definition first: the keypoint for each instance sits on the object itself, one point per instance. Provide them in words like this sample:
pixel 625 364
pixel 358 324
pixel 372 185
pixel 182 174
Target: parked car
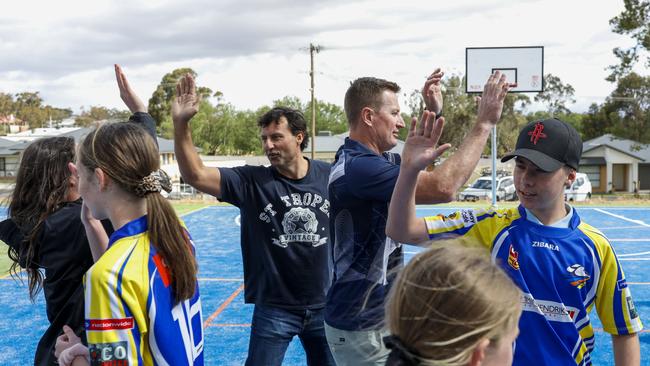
pixel 482 189
pixel 580 190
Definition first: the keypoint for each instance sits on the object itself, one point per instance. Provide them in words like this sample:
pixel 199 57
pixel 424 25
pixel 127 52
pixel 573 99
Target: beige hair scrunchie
pixel 154 182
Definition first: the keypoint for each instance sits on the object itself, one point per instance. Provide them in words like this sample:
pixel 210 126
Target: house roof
pixel 11 147
pixel 164 145
pixel 625 146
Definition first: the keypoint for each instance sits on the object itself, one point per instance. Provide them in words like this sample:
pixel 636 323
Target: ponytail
pixel 129 156
pixel 171 240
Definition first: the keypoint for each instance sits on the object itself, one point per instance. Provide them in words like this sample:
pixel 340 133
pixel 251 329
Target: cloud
pixel 66 48
pixel 142 35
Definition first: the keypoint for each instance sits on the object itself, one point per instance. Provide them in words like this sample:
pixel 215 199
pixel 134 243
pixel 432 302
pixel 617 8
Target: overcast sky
pixel 256 51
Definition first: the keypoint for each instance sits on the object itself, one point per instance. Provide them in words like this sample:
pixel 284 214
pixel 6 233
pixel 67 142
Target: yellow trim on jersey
pixel 472 223
pixel 104 300
pixel 607 284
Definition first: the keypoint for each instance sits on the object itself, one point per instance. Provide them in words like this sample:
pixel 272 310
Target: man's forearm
pixel 441 184
pixel 189 162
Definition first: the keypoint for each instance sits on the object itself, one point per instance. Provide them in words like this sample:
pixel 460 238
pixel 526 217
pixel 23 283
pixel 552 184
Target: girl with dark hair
pixel 44 228
pixel 44 231
pixel 142 298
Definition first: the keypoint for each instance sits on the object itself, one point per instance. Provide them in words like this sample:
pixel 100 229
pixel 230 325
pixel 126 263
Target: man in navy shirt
pixel 360 187
pixel 284 229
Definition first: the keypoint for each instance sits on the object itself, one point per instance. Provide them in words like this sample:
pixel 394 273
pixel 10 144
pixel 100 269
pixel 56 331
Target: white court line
pixel 633 259
pixel 238 220
pixel 632 254
pixel 627 239
pixel 623 217
pixel 621 227
pixel 617 208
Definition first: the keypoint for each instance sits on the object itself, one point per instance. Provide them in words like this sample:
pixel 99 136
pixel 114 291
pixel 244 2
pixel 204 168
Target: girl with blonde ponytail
pixel 451 306
pixel 142 298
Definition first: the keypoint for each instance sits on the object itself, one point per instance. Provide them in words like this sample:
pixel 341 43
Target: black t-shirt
pixel 65 256
pixel 284 234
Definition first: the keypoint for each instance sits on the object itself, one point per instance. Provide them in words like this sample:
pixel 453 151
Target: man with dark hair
pixel 295 120
pixel 284 229
pixel 361 182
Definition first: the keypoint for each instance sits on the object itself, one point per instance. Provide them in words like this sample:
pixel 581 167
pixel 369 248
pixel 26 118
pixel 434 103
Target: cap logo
pixel 537 133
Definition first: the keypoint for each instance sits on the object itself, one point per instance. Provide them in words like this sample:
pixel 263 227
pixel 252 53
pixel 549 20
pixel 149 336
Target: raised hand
pixel 432 91
pixel 491 102
pixel 420 147
pixel 132 101
pixel 186 103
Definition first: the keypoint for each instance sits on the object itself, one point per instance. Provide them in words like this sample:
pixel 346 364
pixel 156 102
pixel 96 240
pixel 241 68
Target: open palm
pixel 186 103
pixel 420 148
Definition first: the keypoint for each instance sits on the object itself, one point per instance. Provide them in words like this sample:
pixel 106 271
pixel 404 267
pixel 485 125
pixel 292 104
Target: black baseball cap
pixel 549 144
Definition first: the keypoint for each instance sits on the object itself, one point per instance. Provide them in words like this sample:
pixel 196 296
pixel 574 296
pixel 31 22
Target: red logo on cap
pixel 537 133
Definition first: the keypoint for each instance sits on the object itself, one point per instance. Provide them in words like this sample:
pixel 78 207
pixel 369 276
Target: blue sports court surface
pixel 227 319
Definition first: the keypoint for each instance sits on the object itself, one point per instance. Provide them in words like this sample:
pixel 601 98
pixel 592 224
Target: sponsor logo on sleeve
pixel 109 324
pixel 513 258
pixel 578 275
pixel 631 308
pixel 621 284
pixel 109 354
pixel 468 217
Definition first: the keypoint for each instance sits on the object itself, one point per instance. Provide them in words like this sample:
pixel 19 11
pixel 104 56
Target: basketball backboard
pixel 523 66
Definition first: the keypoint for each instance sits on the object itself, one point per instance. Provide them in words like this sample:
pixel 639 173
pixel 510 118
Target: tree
pixel 626 115
pixel 57 114
pixel 595 123
pixel 99 113
pixel 160 101
pixel 7 106
pixel 28 106
pixel 460 112
pixel 556 95
pixel 329 117
pixel 635 22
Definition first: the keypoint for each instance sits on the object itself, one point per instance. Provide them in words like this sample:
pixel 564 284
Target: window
pixel 482 184
pixel 593 172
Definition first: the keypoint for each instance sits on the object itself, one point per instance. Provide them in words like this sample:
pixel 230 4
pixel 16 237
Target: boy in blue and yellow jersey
pixel 563 266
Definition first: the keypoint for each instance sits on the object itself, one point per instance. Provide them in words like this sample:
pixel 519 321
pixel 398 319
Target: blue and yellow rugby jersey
pixel 562 273
pixel 131 318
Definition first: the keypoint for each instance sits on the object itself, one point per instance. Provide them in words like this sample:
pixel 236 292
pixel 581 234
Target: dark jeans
pixel 273 329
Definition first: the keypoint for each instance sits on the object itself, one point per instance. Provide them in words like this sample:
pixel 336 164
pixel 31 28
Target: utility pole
pixel 313 49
